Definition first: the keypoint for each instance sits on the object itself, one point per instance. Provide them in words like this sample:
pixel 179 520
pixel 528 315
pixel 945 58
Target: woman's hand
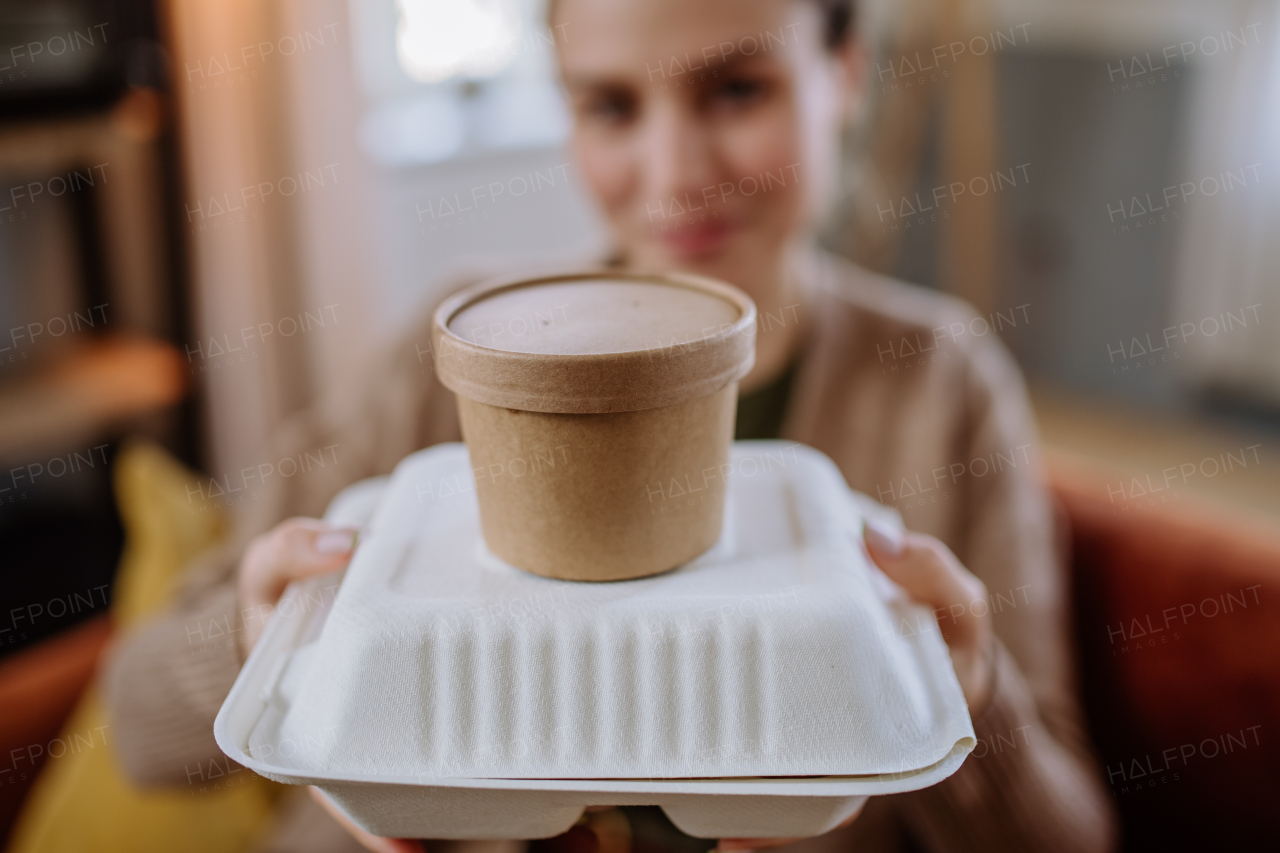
pixel 294 549
pixel 932 575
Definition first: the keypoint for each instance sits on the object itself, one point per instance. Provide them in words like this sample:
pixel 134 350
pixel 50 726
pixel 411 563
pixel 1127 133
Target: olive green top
pixel 760 412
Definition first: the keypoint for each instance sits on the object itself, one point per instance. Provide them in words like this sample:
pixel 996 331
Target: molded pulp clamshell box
pixel 444 694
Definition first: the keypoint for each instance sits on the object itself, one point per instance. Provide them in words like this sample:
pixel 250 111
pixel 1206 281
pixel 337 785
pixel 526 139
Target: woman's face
pixel 708 130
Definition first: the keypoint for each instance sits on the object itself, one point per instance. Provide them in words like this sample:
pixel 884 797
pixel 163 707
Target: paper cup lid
pixel 599 341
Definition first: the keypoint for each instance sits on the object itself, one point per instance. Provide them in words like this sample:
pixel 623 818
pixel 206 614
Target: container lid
pixel 598 341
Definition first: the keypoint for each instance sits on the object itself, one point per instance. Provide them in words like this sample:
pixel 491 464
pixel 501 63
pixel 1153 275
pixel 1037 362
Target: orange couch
pixel 38 689
pixel 1177 623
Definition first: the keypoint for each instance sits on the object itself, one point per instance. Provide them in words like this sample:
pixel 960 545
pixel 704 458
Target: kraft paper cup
pixel 587 400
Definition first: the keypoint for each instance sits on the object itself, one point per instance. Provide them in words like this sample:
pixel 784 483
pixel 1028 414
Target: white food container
pixel 444 694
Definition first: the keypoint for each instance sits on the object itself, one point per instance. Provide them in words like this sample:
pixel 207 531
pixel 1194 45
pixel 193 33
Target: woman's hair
pixel 839 20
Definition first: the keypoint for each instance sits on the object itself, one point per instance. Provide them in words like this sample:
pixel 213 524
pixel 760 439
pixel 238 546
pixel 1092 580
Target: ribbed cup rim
pixel 589 383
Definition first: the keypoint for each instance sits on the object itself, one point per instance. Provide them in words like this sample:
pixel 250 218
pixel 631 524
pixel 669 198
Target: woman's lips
pixel 696 239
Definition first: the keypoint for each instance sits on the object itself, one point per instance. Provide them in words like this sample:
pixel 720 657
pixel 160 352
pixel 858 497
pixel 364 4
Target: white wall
pixel 515 216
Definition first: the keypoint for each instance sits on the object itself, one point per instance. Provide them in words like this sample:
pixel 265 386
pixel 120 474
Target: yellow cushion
pixel 164 529
pixel 82 800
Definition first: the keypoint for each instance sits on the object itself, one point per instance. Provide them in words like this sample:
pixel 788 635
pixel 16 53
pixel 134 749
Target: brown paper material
pixel 583 398
pixel 594 342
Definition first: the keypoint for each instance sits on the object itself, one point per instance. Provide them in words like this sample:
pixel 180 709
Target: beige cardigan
pixel 919 405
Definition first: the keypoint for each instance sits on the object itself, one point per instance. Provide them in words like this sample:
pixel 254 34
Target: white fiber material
pixel 780 652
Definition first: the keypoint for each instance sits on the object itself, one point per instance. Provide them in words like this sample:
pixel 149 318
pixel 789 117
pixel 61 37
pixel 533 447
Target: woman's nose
pixel 678 156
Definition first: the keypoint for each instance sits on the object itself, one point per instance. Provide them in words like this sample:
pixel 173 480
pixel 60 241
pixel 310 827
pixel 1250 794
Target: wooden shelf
pixel 86 391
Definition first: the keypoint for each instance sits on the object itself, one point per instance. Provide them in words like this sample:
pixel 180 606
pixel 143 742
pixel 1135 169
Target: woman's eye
pixel 610 108
pixel 739 92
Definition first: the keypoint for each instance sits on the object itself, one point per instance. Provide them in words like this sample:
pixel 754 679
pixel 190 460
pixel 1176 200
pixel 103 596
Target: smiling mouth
pixel 697 239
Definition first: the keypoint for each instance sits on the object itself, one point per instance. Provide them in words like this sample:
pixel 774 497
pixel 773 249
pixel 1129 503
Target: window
pixel 455 78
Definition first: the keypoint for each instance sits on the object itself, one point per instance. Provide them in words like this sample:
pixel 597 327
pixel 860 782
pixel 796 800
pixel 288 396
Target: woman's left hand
pixel 932 575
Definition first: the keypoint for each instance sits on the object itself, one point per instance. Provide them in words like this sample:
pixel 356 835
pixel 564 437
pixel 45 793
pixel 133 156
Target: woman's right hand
pixel 292 550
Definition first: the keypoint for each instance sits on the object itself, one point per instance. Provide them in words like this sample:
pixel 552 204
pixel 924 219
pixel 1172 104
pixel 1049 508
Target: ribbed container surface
pixel 780 652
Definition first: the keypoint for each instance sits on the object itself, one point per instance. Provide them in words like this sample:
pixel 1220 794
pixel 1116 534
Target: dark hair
pixel 839 21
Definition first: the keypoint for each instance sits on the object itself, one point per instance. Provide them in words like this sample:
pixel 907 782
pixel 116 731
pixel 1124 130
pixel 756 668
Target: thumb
pixel 294 549
pixel 920 564
pixel 331 543
pixel 932 575
pixel 297 548
pixel 884 541
pixel 310 551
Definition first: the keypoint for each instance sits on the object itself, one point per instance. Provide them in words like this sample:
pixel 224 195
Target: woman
pixel 708 132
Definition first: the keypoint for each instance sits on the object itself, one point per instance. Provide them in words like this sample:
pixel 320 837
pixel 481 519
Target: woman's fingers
pixel 376 843
pixel 292 550
pixel 932 575
pixel 883 539
pixel 295 549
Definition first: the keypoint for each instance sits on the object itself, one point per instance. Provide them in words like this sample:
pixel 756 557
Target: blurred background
pixel 210 213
